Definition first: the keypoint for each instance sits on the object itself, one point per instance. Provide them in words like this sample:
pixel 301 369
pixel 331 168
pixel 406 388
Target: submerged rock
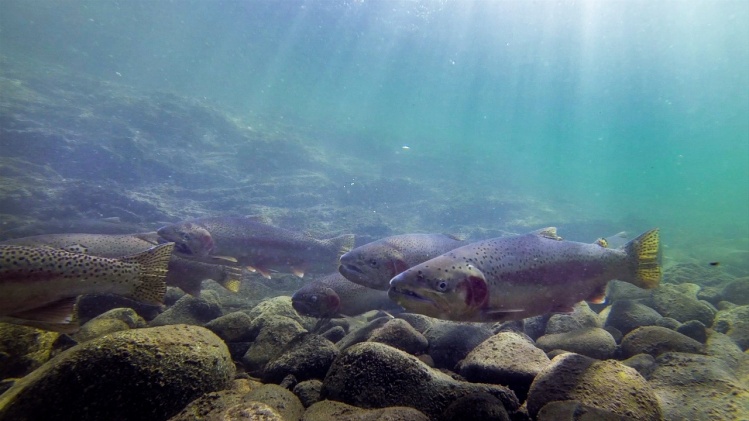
pixel 307 356
pixel 627 315
pixel 450 342
pixel 308 391
pixel 339 411
pixel 656 340
pixel 507 358
pixel 399 334
pixel 112 321
pixel 147 373
pixel 24 349
pixel 593 342
pixel 275 333
pixel 581 318
pixel 680 302
pixel 606 385
pixel 190 310
pixel 734 322
pixel 374 375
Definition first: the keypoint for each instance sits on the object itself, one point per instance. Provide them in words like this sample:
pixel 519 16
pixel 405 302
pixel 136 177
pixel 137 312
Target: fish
pixel 335 296
pixel 112 225
pixel 253 243
pixel 512 278
pixel 374 264
pixel 183 273
pixel 39 285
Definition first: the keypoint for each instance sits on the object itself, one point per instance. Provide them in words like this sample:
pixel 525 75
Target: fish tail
pixel 644 256
pixel 154 265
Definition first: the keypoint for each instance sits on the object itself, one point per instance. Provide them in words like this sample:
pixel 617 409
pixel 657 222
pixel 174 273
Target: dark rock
pixel 680 302
pixel 668 323
pixel 734 322
pixel 593 342
pixel 338 411
pixel 695 330
pixel 308 392
pixel 582 317
pixel 112 321
pixel 506 358
pixel 307 356
pixel 374 375
pixel 282 400
pixel 476 407
pixel 418 321
pixel 656 340
pixel 620 290
pixel 90 306
pixel 190 310
pixel 275 333
pixel 721 346
pixel 643 363
pixel 209 405
pixel 615 333
pixel 233 327
pixel 252 411
pixel 712 295
pixel 238 349
pixel 288 382
pixel 627 315
pixel 162 369
pixel 334 334
pixel 737 291
pixel 450 342
pixel 605 385
pixel 535 327
pixel 576 411
pixel 23 349
pixel 399 334
pixel 362 333
pixel 698 387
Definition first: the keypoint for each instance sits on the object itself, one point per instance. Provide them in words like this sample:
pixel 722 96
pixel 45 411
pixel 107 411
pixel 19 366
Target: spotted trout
pixel 374 264
pixel 183 273
pixel 511 278
pixel 250 242
pixel 335 296
pixel 39 285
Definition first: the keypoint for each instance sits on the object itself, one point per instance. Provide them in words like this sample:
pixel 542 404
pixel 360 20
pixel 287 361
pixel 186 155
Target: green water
pixel 616 110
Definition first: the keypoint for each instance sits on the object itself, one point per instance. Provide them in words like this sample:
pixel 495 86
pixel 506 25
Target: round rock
pixel 339 411
pixel 734 322
pixel 627 315
pixel 399 334
pixel 307 356
pixel 450 342
pixel 593 342
pixel 656 340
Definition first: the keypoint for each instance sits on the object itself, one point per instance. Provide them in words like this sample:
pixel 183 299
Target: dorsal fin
pixel 548 232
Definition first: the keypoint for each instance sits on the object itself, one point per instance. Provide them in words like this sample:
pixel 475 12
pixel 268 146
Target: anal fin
pixel 598 296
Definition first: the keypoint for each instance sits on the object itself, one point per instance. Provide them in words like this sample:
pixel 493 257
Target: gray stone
pixel 668 323
pixel 308 391
pixel 362 333
pixel 399 334
pixel 190 310
pixel 698 387
pixel 507 358
pixel 339 411
pixel 737 291
pixel 581 318
pixel 734 322
pixel 273 336
pixel 307 356
pixel 606 385
pixel 656 340
pixel 375 375
pixel 593 342
pixel 643 363
pixel 282 400
pixel 233 327
pixel 450 342
pixel 535 327
pixel 576 411
pixel 23 349
pixel 680 302
pixel 627 315
pixel 695 330
pixel 476 407
pixel 334 334
pixel 418 321
pixel 161 369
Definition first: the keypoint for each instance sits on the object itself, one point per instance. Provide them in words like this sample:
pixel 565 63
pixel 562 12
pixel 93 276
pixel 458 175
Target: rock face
pixel 374 375
pixel 656 340
pixel 136 374
pixel 507 358
pixel 698 387
pixel 606 385
pixel 593 342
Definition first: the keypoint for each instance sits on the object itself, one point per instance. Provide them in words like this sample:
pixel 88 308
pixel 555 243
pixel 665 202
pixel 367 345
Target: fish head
pixel 189 238
pixel 372 265
pixel 443 289
pixel 316 302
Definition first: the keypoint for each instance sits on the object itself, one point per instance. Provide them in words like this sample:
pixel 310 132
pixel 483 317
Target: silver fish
pixel 335 296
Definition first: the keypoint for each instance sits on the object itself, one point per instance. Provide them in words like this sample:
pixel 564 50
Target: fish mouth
pixel 350 269
pixel 397 294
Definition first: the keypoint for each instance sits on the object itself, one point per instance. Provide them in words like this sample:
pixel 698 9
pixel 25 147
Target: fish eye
pixel 313 298
pixel 441 286
pixel 373 262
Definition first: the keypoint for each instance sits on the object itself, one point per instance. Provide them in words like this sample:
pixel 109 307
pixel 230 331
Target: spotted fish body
pixel 183 273
pixel 335 296
pixel 40 284
pixel 248 241
pixel 374 264
pixel 511 278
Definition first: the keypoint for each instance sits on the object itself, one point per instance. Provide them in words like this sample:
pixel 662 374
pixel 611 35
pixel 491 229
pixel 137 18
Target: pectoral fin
pixel 227 258
pixel 60 312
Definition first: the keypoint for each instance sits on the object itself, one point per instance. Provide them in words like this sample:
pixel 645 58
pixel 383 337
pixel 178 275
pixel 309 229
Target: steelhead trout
pixel 374 264
pixel 183 273
pixel 511 278
pixel 248 241
pixel 38 285
pixel 336 296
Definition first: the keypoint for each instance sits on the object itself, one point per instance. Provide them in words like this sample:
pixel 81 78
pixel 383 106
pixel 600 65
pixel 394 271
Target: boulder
pixel 233 327
pixel 507 358
pixel 190 310
pixel 606 385
pixel 374 375
pixel 339 411
pixel 680 302
pixel 656 340
pixel 147 373
pixel 737 291
pixel 450 342
pixel 694 329
pixel 399 334
pixel 626 315
pixel 698 387
pixel 593 342
pixel 307 356
pixel 734 322
pixel 276 332
pixel 580 318
pixel 476 407
pixel 23 349
pixel 308 391
pixel 112 321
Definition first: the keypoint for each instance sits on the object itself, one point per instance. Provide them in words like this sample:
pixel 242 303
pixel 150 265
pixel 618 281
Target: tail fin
pixel 154 265
pixel 342 244
pixel 644 256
